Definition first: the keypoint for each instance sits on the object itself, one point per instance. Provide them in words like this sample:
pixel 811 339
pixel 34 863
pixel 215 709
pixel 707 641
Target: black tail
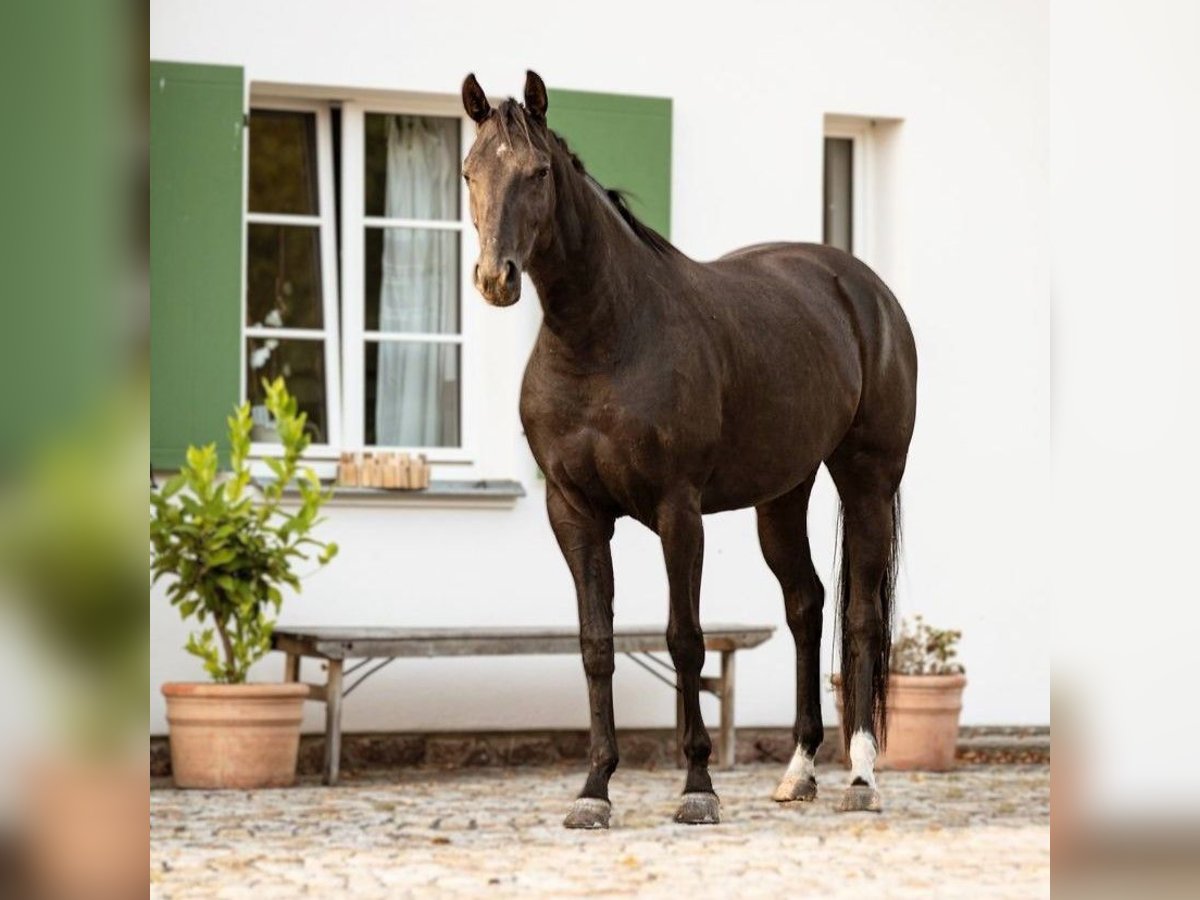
pixel 887 588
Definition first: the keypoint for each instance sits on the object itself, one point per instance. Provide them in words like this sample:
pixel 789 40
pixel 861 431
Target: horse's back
pixel 810 269
pixel 814 275
pixel 831 286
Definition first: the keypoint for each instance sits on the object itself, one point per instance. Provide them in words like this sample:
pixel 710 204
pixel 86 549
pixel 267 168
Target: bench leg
pixel 291 668
pixel 333 721
pixel 728 747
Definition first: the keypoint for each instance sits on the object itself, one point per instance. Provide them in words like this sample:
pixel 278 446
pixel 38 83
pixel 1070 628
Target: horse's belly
pixel 737 484
pixel 768 449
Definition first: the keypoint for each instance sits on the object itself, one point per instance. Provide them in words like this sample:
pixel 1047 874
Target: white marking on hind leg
pixel 800 770
pixel 862 757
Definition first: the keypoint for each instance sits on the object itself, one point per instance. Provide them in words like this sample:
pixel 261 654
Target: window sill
pixel 492 493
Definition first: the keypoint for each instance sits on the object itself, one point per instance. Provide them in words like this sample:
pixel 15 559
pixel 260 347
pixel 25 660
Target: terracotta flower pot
pixel 234 735
pixel 923 713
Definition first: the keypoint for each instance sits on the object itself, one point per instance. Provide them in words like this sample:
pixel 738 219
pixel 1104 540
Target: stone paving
pixel 978 831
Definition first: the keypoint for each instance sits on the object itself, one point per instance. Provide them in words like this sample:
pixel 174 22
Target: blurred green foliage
pixel 73 433
pixel 72 563
pixel 229 547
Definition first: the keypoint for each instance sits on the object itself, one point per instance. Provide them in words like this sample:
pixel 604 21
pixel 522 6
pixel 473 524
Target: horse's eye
pixel 466 177
pixel 541 173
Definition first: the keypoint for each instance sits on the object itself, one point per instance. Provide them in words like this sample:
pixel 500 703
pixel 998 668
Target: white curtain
pixel 416 400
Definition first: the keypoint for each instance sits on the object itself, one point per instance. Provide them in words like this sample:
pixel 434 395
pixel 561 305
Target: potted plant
pixel 924 698
pixel 230 549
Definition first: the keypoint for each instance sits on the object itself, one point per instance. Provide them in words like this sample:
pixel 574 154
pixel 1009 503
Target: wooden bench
pixel 374 648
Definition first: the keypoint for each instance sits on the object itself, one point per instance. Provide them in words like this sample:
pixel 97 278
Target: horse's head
pixel 511 185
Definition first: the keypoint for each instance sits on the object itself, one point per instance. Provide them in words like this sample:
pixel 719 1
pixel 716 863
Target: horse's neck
pixel 593 275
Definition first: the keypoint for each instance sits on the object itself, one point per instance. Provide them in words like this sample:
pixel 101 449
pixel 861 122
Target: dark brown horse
pixel 663 388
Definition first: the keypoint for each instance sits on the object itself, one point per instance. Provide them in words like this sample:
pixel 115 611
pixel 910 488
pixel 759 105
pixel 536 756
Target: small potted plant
pixel 230 549
pixel 924 699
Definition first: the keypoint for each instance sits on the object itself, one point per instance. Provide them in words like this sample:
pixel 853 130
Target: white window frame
pixel 344 303
pixel 327 223
pixel 355 336
pixel 860 133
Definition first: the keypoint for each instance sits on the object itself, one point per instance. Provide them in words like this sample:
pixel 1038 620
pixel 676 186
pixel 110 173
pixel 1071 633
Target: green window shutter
pixel 625 143
pixel 196 134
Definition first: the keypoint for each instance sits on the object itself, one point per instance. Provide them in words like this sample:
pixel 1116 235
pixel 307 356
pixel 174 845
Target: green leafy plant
pixel 232 546
pixel 922 650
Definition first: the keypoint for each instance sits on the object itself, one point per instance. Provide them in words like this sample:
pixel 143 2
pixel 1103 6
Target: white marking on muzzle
pixel 862 757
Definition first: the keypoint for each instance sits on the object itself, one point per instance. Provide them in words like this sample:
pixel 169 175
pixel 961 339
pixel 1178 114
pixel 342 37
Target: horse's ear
pixel 535 95
pixel 475 101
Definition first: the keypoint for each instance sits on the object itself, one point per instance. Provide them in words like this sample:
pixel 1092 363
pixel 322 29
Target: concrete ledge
pixel 640 748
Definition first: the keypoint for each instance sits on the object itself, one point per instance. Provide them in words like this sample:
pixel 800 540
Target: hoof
pixel 860 798
pixel 698 809
pixel 802 789
pixel 588 812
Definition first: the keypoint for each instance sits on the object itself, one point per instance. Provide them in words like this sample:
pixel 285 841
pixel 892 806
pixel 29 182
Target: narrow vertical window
pixel 411 281
pixel 291 304
pixel 838 230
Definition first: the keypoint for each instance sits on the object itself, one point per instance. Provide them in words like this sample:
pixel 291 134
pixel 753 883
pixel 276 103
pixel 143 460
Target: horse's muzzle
pixel 500 283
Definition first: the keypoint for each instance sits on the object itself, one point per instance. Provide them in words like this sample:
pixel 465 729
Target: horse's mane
pixel 510 112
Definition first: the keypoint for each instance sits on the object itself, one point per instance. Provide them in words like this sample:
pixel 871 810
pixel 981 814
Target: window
pixel 291 307
pixel 847 147
pixel 838 226
pixel 355 267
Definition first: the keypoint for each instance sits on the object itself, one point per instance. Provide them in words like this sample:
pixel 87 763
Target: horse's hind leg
pixel 783 535
pixel 868 488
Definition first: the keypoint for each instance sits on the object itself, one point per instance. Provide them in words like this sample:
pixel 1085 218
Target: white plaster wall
pixel 964 246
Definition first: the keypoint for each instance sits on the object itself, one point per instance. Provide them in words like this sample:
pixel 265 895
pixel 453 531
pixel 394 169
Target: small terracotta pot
pixel 923 711
pixel 234 735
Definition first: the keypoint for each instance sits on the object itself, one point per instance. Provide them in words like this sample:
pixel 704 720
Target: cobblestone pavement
pixel 979 831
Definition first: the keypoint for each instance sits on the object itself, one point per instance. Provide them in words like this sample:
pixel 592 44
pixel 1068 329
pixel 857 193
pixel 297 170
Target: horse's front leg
pixel 682 531
pixel 584 539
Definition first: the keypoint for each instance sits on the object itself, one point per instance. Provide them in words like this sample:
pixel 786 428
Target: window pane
pixel 302 365
pixel 411 280
pixel 412 167
pixel 839 193
pixel 412 394
pixel 283 276
pixel 283 162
